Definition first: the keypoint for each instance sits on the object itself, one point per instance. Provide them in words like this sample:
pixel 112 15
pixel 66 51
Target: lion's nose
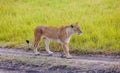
pixel 80 31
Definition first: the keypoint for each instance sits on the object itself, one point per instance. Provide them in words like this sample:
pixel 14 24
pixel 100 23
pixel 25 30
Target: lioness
pixel 61 35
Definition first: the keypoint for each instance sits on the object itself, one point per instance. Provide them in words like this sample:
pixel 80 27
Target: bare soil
pixel 21 61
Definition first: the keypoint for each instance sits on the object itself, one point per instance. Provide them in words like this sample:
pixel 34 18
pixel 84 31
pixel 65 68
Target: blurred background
pixel 98 19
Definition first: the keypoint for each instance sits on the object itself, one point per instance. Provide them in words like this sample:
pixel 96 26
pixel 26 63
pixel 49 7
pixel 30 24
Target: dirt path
pixel 18 61
pixel 97 58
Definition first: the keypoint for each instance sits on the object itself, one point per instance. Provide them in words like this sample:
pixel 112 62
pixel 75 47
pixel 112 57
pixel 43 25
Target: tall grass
pixel 98 19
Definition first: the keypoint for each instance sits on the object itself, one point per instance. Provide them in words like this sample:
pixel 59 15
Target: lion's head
pixel 76 29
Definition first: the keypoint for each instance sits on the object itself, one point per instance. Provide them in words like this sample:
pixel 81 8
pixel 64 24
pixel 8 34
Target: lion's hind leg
pixel 36 42
pixel 47 41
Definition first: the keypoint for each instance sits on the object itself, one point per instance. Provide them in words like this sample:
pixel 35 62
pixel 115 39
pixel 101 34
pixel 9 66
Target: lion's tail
pixel 27 41
pixel 29 46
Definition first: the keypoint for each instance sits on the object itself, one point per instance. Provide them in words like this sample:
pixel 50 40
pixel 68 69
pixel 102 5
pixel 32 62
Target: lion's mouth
pixel 79 34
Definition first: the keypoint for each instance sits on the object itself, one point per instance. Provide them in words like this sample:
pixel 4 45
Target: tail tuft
pixel 27 41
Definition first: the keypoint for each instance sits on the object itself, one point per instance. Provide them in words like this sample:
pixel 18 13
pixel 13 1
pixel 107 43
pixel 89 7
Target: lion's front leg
pixel 66 51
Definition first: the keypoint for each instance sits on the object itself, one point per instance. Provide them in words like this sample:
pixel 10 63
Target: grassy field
pixel 98 19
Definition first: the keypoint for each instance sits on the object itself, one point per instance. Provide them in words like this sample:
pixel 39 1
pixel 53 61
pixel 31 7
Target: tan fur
pixel 61 35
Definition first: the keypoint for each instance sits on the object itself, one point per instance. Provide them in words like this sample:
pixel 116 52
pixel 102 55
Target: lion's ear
pixel 76 23
pixel 71 25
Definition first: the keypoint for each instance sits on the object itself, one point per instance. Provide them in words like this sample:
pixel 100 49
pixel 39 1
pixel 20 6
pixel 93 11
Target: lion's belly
pixel 55 40
pixel 51 39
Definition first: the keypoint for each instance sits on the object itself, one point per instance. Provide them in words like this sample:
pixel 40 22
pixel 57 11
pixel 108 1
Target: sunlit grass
pixel 98 19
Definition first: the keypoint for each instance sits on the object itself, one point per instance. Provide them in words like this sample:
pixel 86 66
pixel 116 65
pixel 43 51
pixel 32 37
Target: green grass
pixel 98 19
